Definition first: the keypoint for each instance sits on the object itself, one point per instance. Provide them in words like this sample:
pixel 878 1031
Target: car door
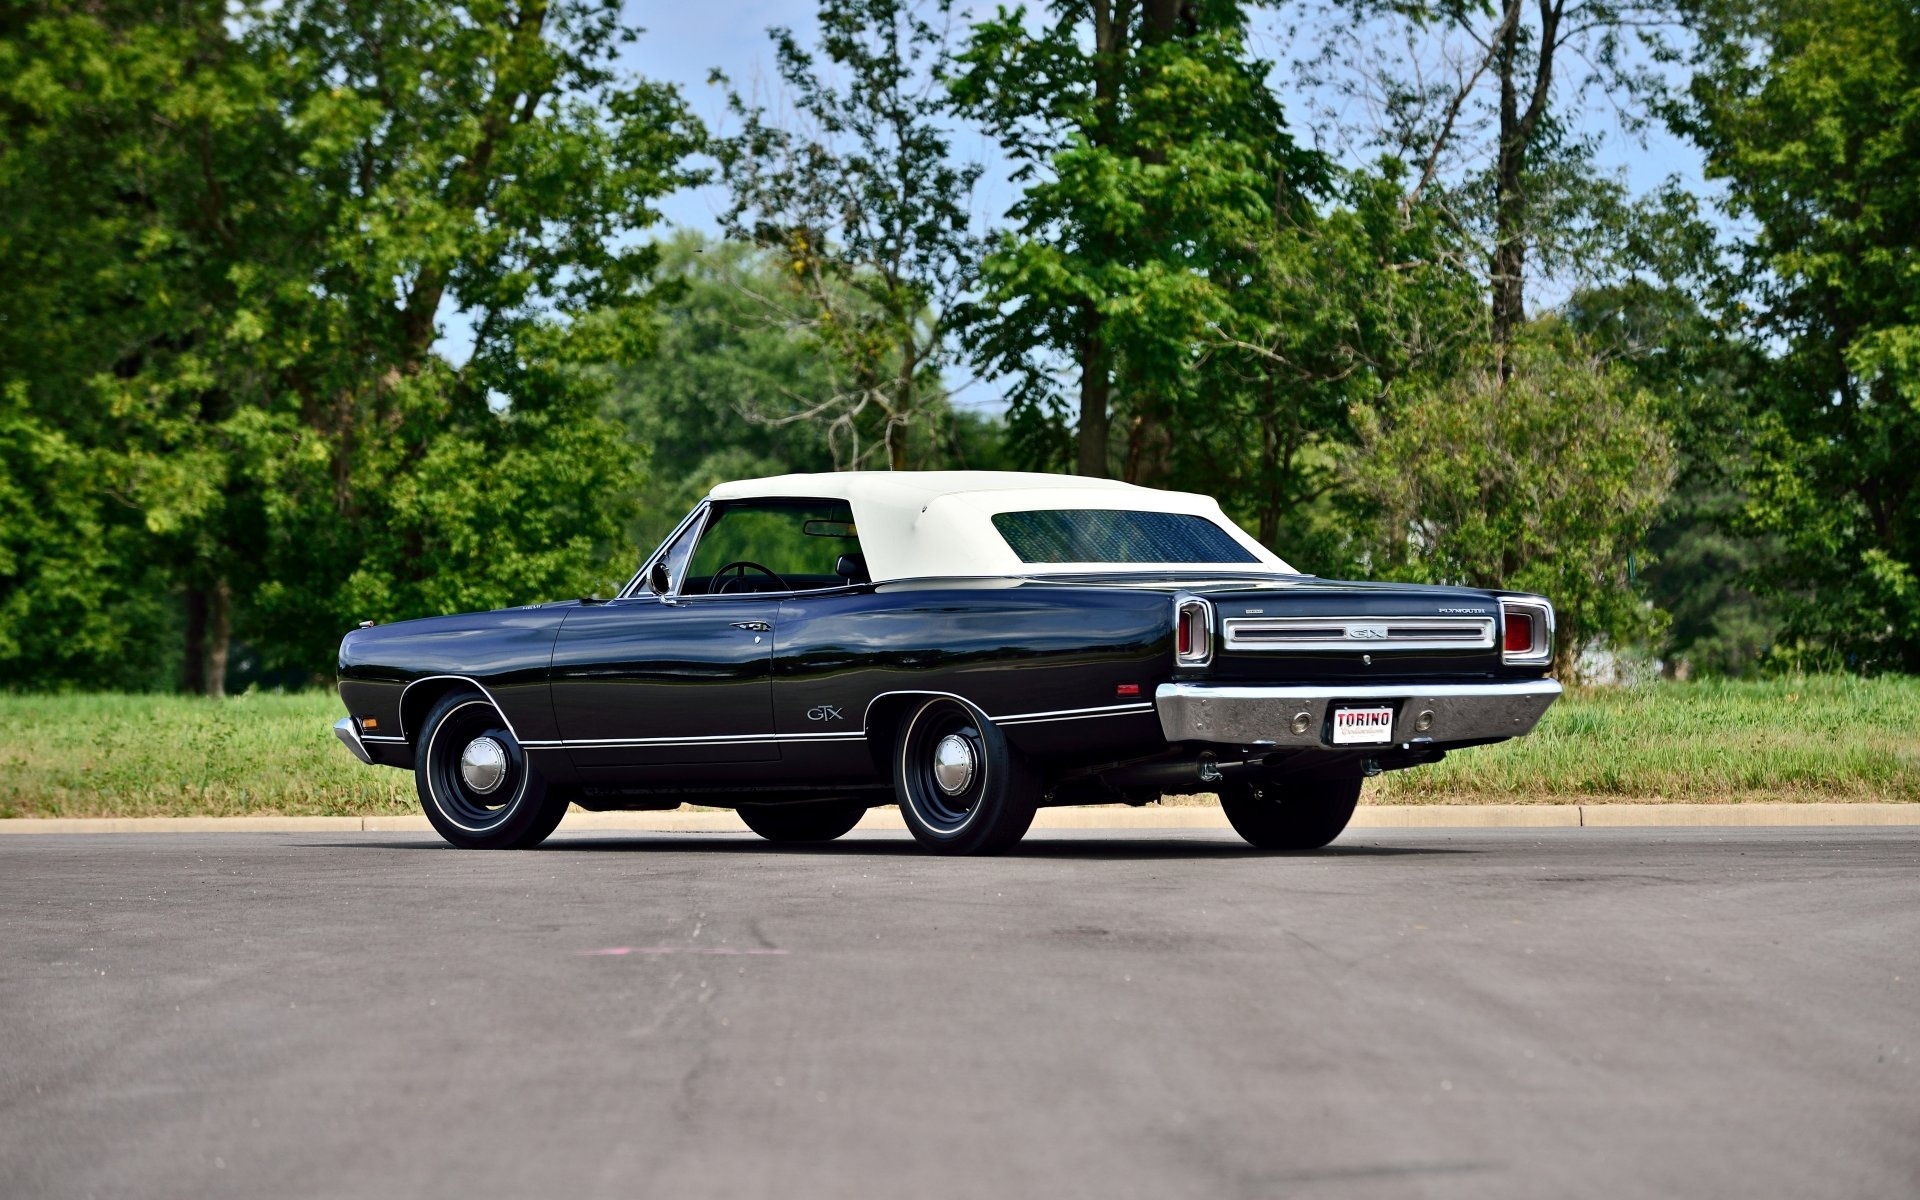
pixel 648 682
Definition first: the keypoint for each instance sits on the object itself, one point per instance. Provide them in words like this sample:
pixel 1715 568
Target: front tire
pixel 820 821
pixel 962 788
pixel 475 783
pixel 1301 815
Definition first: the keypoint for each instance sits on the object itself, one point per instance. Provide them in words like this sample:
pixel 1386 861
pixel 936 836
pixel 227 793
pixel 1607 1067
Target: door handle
pixel 754 626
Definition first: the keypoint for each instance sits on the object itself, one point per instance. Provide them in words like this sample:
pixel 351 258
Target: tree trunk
pixel 1095 385
pixel 1509 251
pixel 1110 29
pixel 1149 449
pixel 194 672
pixel 901 417
pixel 209 639
pixel 219 637
pixel 1518 127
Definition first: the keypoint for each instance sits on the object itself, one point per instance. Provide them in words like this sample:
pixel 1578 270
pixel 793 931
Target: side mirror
pixel 657 579
pixel 852 568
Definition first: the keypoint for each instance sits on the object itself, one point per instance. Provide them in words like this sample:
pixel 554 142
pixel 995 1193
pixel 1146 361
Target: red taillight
pixel 1519 633
pixel 1192 633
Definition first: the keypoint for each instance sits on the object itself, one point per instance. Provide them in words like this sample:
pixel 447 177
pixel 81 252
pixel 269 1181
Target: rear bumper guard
pixel 1254 715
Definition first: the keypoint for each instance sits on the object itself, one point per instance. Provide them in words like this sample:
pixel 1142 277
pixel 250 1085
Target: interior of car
pixel 773 546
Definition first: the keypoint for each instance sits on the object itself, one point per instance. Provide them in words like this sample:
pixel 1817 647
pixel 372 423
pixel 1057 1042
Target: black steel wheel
pixel 802 821
pixel 962 789
pixel 475 783
pixel 1293 815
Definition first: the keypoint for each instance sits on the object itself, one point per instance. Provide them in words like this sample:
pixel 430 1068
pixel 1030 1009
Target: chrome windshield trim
pixel 639 577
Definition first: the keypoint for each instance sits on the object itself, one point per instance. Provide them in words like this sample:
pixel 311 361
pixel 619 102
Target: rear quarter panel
pixel 1017 652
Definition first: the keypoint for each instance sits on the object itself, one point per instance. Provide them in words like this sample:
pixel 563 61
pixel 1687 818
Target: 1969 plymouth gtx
pixel 967 645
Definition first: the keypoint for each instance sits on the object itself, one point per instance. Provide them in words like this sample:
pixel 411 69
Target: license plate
pixel 1363 726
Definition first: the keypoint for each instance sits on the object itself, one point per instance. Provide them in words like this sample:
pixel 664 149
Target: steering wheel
pixel 742 566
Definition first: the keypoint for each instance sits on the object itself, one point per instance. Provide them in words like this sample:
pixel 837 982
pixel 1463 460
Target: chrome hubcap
pixel 953 764
pixel 483 764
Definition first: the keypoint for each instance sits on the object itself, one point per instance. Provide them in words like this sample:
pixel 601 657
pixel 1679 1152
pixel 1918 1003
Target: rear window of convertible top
pixel 1105 535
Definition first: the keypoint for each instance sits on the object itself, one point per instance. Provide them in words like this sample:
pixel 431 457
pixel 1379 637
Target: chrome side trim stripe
pixel 727 739
pixel 1075 714
pixel 754 739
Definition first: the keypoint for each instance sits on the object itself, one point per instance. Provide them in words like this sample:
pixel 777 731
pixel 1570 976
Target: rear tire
pixel 962 788
pixel 1300 815
pixel 820 821
pixel 511 812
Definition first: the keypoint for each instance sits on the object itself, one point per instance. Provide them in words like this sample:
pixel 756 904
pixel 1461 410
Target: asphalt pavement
pixel 1413 1013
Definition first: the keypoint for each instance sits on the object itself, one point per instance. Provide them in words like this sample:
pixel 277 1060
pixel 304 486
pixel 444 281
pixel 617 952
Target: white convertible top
pixel 939 524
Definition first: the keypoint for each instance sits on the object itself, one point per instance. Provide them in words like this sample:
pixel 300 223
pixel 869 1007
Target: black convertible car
pixel 968 645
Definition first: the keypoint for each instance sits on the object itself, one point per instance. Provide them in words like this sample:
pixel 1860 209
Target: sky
pixel 685 41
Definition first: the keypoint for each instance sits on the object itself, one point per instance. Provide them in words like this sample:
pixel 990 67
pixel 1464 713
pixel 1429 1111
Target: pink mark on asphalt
pixel 719 950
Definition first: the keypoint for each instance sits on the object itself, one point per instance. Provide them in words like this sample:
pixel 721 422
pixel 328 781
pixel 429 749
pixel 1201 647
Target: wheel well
pixel 421 697
pixel 884 716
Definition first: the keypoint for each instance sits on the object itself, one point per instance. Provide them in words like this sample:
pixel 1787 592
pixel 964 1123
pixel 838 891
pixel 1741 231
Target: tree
pixel 1477 95
pixel 1545 481
pixel 1811 113
pixel 861 200
pixel 1152 158
pixel 721 360
pixel 250 224
pixel 1342 307
pixel 1703 562
pixel 736 342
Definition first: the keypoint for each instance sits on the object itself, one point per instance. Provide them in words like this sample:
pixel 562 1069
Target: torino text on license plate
pixel 1362 726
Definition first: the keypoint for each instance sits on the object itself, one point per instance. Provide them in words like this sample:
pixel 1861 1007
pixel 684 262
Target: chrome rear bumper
pixel 349 735
pixel 1267 715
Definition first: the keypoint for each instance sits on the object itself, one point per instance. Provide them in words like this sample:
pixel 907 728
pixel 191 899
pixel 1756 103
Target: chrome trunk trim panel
pixel 1256 715
pixel 1358 634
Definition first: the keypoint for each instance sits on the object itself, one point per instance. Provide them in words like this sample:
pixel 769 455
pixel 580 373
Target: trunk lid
pixel 1311 629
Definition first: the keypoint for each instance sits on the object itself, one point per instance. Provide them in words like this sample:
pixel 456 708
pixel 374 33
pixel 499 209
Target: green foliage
pixel 76 597
pixel 1341 306
pixel 1152 159
pixel 234 234
pixel 734 344
pixel 1703 564
pixel 1811 111
pixel 1545 483
pixel 237 237
pixel 737 343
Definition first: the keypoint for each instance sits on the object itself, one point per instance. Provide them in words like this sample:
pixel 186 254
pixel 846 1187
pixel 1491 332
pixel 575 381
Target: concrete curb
pixel 1369 816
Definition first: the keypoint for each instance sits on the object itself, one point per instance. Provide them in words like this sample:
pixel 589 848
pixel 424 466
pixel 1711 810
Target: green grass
pixel 1821 738
pixel 1828 737
pixel 176 756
